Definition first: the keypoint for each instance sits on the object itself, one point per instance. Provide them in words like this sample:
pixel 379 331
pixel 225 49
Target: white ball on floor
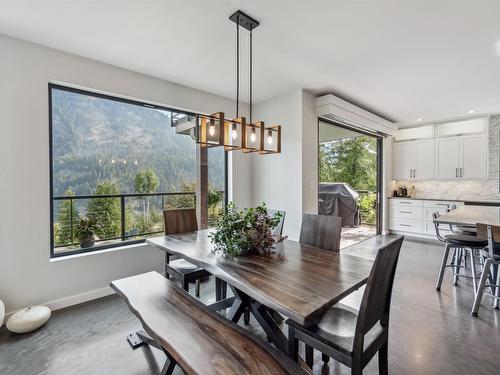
pixel 2 312
pixel 28 319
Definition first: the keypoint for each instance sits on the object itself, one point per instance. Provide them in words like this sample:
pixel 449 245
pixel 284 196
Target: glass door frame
pixel 379 181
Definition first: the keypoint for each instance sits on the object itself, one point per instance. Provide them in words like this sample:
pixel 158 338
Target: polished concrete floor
pixel 430 332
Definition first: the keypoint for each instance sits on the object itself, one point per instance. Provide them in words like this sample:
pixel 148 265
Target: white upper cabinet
pixel 472 126
pixel 462 157
pixel 424 159
pixel 447 158
pixel 402 158
pixel 445 151
pixel 473 157
pixel 413 160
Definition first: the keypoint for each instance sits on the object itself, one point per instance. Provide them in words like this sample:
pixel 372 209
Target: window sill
pixel 97 252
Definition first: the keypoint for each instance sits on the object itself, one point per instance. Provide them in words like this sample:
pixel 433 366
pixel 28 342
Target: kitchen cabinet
pixel 413 160
pixel 462 157
pixel 414 216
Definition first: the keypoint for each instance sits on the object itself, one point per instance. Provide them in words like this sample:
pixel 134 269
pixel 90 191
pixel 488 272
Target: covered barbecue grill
pixel 339 199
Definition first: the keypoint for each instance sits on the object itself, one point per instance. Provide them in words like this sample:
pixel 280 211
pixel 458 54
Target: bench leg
pixel 169 366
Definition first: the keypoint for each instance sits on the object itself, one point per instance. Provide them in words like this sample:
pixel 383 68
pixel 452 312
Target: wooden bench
pixel 193 336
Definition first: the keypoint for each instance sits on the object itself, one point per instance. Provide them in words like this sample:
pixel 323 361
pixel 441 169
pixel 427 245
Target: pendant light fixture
pixel 236 134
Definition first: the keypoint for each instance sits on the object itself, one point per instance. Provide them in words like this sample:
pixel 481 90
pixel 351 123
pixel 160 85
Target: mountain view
pixel 97 140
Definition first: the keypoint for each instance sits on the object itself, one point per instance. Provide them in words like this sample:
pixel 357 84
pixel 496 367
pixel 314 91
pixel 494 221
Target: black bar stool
pixel 462 244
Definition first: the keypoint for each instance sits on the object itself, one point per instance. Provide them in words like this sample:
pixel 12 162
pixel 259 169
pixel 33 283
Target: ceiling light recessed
pixel 419 119
pixel 471 111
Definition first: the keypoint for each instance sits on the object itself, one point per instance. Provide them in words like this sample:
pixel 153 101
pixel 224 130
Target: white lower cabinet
pixel 414 216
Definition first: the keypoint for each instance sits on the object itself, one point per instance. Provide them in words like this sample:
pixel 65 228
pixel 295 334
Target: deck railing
pixel 121 217
pixel 367 204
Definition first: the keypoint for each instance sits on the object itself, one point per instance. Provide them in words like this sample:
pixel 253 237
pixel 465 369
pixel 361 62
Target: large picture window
pixel 115 165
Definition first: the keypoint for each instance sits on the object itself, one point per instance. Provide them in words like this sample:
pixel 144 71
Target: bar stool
pixel 490 268
pixel 460 243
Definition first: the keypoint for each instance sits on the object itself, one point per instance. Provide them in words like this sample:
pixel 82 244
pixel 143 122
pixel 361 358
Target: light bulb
pixel 234 132
pixel 113 161
pixel 135 162
pixel 124 162
pixel 100 161
pixel 269 137
pixel 211 128
pixel 253 136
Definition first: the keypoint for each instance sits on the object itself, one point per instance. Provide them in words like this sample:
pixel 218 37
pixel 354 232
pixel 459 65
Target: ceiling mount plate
pixel 244 20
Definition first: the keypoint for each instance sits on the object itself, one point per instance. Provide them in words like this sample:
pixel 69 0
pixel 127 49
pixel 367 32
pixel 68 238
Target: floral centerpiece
pixel 242 231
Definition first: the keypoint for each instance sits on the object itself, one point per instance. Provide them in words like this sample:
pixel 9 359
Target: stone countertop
pixel 491 202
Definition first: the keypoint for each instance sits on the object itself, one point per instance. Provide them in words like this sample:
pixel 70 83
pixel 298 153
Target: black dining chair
pixel 321 231
pixel 176 222
pixel 489 283
pixel 354 337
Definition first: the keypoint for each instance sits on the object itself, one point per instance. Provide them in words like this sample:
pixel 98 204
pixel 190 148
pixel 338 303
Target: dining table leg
pixel 263 316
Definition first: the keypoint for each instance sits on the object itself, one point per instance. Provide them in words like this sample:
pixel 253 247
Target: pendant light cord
pixel 237 69
pixel 251 76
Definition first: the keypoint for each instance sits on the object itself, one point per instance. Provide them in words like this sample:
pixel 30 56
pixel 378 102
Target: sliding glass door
pixel 350 179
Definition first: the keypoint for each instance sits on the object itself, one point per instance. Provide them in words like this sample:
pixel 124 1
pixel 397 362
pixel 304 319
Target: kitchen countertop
pixel 467 202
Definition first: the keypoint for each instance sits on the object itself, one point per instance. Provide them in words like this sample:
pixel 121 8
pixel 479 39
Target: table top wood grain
pixel 471 215
pixel 297 280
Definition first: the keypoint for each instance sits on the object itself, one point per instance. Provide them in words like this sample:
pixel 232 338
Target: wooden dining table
pixel 471 215
pixel 293 279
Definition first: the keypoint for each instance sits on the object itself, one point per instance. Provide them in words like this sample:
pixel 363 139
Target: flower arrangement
pixel 242 231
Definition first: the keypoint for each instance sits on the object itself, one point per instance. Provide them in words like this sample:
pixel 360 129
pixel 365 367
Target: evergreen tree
pixel 146 182
pixel 67 219
pixel 106 211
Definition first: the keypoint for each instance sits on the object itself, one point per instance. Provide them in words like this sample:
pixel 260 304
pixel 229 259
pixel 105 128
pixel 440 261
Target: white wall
pixel 27 276
pixel 309 154
pixel 277 179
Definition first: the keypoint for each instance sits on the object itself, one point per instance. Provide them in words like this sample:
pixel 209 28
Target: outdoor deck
pixel 353 235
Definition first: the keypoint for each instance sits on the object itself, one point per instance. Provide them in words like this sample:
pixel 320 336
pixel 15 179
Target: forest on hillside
pixel 96 140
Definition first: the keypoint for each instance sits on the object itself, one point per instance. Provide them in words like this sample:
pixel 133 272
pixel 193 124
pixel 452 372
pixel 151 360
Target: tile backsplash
pixel 466 189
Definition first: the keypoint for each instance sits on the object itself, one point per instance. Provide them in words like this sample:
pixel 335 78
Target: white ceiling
pixel 402 59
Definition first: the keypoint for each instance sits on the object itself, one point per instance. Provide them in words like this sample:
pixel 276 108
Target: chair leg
pixel 246 316
pixel 197 292
pixel 443 266
pixel 356 369
pixel 473 270
pixel 482 282
pixel 309 356
pixel 185 284
pixel 497 287
pixel 293 345
pixel 383 363
pixel 458 263
pixel 325 358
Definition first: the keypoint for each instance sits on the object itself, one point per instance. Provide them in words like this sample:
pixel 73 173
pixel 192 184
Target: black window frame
pixel 117 98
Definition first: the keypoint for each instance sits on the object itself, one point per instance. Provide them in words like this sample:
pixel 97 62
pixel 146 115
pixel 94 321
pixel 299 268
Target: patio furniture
pixel 340 199
pixel 349 336
pixel 182 221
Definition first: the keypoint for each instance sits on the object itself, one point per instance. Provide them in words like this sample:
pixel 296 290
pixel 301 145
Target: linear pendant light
pixel 237 134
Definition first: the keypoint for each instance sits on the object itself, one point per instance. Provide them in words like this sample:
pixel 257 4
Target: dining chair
pixel 491 264
pixel 278 230
pixel 462 244
pixel 460 229
pixel 182 221
pixel 321 231
pixel 354 337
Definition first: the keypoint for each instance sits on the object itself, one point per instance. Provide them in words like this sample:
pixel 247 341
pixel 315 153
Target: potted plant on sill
pixel 240 232
pixel 86 231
